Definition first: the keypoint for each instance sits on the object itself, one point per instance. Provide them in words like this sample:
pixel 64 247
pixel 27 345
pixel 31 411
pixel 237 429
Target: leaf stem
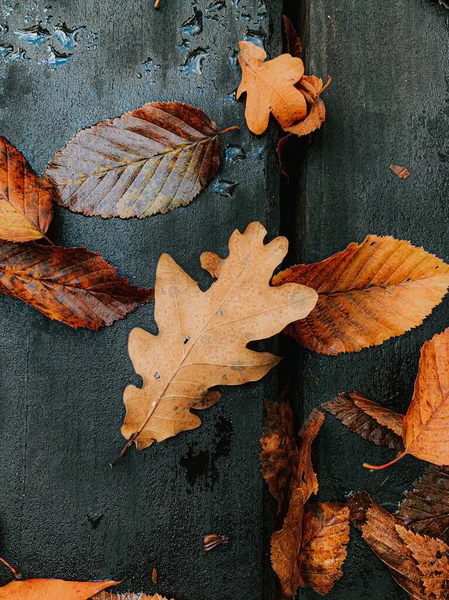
pixel 14 572
pixel 380 467
pixel 233 128
pixel 48 240
pixel 156 4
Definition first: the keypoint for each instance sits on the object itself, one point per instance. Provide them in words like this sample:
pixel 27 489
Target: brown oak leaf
pixel 70 285
pixel 26 202
pixel 148 161
pixel 279 456
pixel 293 41
pixel 323 550
pixel 203 336
pixel 426 508
pixel 368 293
pixel 371 421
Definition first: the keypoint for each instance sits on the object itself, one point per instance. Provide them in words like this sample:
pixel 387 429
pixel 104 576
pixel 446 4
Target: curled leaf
pixel 148 161
pixel 26 202
pixel 70 285
pixel 367 294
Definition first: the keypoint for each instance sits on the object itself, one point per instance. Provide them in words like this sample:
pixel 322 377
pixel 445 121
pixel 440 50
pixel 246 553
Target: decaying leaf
pixel 371 421
pixel 401 172
pixel 26 202
pixel 151 160
pixel 425 431
pixel 323 551
pixel 286 543
pixel 279 456
pixel 367 294
pixel 203 335
pixel 426 507
pixel 380 533
pixel 270 88
pixel 128 596
pixel 70 285
pixel 294 45
pixel 432 557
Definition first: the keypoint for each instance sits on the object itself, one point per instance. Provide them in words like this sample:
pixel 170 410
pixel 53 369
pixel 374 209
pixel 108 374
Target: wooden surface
pixel 63 512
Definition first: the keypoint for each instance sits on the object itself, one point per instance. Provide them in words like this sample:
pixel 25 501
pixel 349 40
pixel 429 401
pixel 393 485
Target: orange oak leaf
pixel 426 508
pixel 432 557
pixel 70 285
pixel 367 294
pixel 148 161
pixel 371 421
pixel 380 533
pixel 425 432
pixel 270 88
pixel 323 550
pixel 203 336
pixel 286 543
pixel 279 456
pixel 26 202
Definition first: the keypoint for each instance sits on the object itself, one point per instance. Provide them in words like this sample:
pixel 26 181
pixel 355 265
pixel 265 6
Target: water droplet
pixel 256 153
pixel 234 154
pixel 5 49
pixel 261 10
pixel 157 376
pixel 255 36
pixel 212 11
pixel 67 37
pixel 233 59
pixel 194 62
pixel 183 47
pixel 139 75
pixel 194 25
pixel 3 28
pixel 56 59
pixel 245 17
pixel 35 35
pixel 225 188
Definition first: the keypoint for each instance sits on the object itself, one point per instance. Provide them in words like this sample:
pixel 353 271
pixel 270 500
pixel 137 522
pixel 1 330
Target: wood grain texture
pixel 378 113
pixel 63 511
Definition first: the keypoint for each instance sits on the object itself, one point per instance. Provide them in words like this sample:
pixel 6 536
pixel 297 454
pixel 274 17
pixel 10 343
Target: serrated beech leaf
pixel 286 543
pixel 323 549
pixel 71 285
pixel 371 421
pixel 270 88
pixel 426 508
pixel 203 336
pixel 148 161
pixel 424 431
pixel 279 454
pixel 26 202
pixel 368 293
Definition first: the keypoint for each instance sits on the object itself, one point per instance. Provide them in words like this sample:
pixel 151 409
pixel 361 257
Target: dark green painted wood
pixel 63 511
pixel 388 103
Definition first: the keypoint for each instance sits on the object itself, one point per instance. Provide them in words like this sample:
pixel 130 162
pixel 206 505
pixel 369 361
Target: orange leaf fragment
pixel 203 336
pixel 26 202
pixel 323 551
pixel 52 589
pixel 401 172
pixel 127 596
pixel 270 88
pixel 367 294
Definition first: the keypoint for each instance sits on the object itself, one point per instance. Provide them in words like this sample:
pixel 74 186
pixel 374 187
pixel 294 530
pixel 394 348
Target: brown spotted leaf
pixel 70 285
pixel 203 336
pixel 279 456
pixel 432 557
pixel 380 533
pixel 368 419
pixel 148 161
pixel 323 551
pixel 26 202
pixel 368 293
pixel 286 543
pixel 128 596
pixel 426 507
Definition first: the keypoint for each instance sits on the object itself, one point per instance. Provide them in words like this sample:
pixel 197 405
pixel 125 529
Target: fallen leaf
pixel 425 432
pixel 26 202
pixel 426 507
pixel 279 456
pixel 371 421
pixel 154 576
pixel 323 551
pixel 311 87
pixel 401 172
pixel 151 160
pixel 70 285
pixel 203 335
pixel 367 294
pixel 270 88
pixel 379 532
pixel 286 543
pixel 294 46
pixel 128 596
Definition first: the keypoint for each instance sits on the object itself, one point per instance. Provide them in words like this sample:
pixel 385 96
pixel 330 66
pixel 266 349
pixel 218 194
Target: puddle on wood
pixel 194 62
